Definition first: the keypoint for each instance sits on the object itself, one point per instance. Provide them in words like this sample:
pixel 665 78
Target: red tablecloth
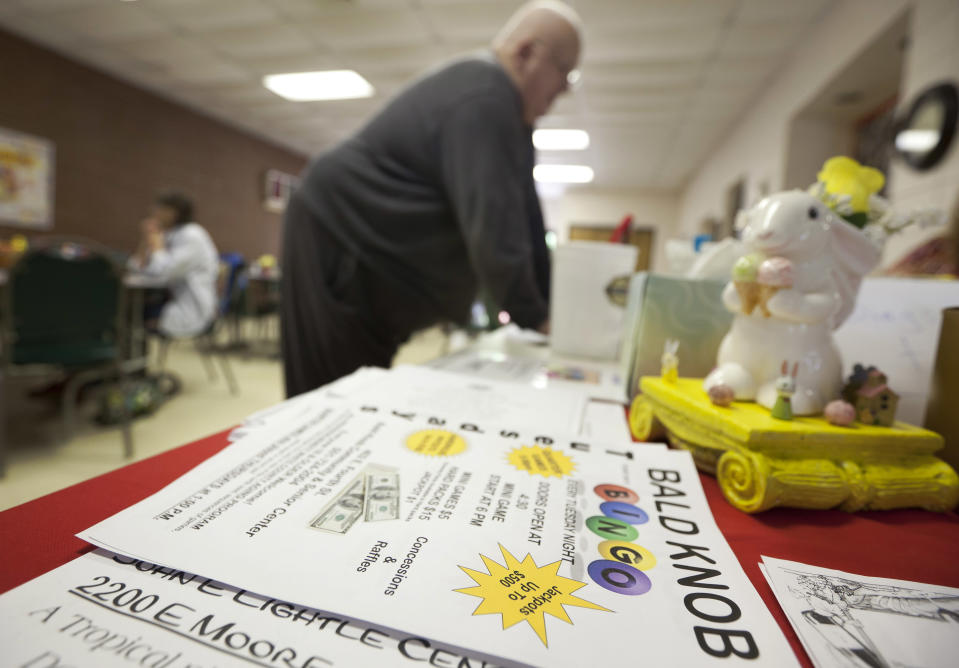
pixel 906 544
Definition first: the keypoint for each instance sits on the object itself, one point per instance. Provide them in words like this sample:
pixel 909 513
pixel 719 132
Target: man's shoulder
pixel 468 75
pixel 479 64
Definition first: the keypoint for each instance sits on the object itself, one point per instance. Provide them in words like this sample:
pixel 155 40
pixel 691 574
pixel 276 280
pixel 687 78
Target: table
pixel 905 544
pixel 259 300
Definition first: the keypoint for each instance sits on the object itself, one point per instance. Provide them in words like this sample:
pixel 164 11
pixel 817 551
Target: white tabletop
pixel 142 281
pixel 525 357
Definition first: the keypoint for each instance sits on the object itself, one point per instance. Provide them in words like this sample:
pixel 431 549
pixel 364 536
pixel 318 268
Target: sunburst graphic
pixel 436 443
pixel 522 591
pixel 539 460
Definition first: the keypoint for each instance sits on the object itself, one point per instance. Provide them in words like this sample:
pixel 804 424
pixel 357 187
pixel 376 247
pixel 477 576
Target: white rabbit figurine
pixel 828 257
pixel 785 389
pixel 669 362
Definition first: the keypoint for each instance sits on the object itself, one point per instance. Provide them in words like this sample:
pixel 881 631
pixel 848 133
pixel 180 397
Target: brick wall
pixel 116 145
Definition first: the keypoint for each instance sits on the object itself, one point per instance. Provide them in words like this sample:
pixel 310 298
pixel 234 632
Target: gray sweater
pixel 435 195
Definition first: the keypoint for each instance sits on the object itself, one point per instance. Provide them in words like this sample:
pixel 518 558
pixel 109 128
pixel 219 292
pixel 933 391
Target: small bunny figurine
pixel 669 369
pixel 785 388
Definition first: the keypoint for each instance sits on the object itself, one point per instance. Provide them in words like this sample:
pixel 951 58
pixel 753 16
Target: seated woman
pixel 179 253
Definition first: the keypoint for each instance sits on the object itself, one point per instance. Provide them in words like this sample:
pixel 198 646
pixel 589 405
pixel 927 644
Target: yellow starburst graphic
pixel 522 591
pixel 436 443
pixel 539 460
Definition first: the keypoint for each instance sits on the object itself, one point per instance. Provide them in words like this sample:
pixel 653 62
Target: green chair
pixel 64 310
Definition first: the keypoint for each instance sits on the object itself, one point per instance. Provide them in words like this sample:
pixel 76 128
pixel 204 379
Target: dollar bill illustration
pixel 344 510
pixel 382 496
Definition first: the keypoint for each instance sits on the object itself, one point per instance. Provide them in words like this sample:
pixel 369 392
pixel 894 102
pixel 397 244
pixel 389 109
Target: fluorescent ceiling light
pixel 563 173
pixel 917 140
pixel 330 85
pixel 560 140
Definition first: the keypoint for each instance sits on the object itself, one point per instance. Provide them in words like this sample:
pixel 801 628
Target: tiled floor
pixel 40 462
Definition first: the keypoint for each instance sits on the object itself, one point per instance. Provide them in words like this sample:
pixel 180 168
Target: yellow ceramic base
pixel 762 462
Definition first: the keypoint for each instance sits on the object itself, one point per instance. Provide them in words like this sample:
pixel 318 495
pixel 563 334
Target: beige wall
pixel 584 206
pixel 932 58
pixel 812 141
pixel 756 148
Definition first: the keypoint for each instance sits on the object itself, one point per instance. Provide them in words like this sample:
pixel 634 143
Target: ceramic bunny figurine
pixel 826 259
pixel 785 389
pixel 669 362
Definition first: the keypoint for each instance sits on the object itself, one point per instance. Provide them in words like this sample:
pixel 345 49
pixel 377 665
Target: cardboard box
pixel 941 414
pixel 668 307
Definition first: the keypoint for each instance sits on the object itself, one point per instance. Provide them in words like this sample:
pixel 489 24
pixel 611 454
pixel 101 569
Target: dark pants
pixel 329 307
pixel 154 299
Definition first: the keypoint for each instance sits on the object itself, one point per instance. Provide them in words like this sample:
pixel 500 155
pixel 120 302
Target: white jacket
pixel 188 266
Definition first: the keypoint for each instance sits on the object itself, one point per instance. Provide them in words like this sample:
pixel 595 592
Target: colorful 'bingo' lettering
pixel 621 569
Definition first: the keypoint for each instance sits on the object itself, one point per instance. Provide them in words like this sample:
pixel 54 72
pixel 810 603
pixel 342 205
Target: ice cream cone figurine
pixel 745 272
pixel 669 369
pixel 785 389
pixel 774 274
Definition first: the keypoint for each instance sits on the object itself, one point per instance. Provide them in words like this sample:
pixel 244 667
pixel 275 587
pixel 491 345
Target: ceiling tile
pixel 242 95
pixel 261 41
pixel 212 71
pixel 470 20
pixel 204 15
pixel 654 15
pixel 170 51
pixel 48 5
pixel 313 8
pixel 628 101
pixel 759 40
pixel 369 28
pixel 731 71
pixel 788 11
pixel 639 74
pixel 113 21
pixel 663 80
pixel 307 61
pixel 680 44
pixel 392 58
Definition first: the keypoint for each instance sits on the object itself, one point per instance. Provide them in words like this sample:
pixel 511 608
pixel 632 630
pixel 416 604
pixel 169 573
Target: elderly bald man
pixel 402 225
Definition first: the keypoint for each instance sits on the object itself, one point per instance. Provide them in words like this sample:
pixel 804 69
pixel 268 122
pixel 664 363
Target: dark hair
pixel 179 202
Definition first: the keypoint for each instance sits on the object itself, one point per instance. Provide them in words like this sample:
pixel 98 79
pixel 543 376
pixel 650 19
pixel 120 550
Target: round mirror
pixel 923 135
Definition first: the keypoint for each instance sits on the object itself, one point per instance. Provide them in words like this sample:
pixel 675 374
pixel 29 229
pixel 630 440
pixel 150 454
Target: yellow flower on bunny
pixel 845 176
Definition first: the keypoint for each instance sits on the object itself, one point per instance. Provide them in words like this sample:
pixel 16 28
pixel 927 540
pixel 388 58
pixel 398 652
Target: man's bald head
pixel 538 47
pixel 542 18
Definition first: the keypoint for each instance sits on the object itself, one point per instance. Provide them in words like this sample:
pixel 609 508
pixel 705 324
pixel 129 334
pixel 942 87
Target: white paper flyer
pixel 536 548
pixel 106 610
